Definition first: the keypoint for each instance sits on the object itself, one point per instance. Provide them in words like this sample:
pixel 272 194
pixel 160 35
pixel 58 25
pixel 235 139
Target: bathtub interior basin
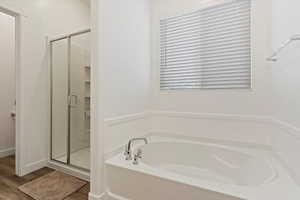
pixel 208 163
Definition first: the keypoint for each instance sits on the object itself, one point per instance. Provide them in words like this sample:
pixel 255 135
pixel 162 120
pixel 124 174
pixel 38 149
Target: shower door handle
pixel 73 100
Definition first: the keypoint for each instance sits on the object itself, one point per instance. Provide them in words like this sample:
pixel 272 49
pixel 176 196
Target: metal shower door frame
pixel 68 37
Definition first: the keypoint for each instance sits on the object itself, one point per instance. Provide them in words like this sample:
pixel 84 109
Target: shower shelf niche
pixel 87 83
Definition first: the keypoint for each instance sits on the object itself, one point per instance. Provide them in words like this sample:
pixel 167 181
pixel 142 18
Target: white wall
pixel 286 71
pixel 7 84
pixel 286 82
pixel 126 62
pixel 40 18
pixel 255 102
pixel 121 82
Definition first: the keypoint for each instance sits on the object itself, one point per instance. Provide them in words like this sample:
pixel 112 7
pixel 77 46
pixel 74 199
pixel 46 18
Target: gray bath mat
pixel 54 186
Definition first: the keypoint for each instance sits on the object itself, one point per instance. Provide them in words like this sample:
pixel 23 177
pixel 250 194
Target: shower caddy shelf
pixel 273 57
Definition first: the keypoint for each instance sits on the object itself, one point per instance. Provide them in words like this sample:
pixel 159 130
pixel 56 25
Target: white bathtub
pixel 208 162
pixel 173 169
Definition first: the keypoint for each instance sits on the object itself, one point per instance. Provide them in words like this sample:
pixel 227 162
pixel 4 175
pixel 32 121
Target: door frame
pixel 18 132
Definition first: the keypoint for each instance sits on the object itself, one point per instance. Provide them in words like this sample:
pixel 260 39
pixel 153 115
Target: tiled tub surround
pixel 195 167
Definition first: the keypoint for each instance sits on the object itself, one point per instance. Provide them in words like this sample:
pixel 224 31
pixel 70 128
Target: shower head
pixel 295 37
pixel 273 57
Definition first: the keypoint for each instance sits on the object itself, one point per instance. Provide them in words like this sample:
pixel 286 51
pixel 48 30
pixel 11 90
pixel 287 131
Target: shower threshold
pixel 80 158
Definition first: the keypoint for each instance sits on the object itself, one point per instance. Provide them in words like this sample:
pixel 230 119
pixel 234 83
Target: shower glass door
pixel 80 109
pixel 70 100
pixel 59 100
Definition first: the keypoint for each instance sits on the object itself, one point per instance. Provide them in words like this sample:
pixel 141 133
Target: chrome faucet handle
pixel 127 153
pixel 126 150
pixel 137 156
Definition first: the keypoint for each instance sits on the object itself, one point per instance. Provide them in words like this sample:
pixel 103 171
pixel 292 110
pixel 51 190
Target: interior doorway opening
pixel 8 95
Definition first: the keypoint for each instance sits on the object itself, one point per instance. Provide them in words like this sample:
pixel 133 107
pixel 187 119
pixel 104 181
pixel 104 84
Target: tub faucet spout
pixel 128 152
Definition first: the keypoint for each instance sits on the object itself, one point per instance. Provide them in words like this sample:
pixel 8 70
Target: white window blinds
pixel 207 49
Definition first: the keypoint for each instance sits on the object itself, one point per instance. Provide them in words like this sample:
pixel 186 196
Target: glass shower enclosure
pixel 70 99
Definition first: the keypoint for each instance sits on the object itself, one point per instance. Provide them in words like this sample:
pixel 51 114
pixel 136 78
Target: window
pixel 207 49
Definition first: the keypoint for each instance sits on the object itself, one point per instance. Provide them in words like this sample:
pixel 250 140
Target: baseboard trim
pixel 7 152
pixel 102 196
pixel 112 196
pixel 106 196
pixel 31 167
